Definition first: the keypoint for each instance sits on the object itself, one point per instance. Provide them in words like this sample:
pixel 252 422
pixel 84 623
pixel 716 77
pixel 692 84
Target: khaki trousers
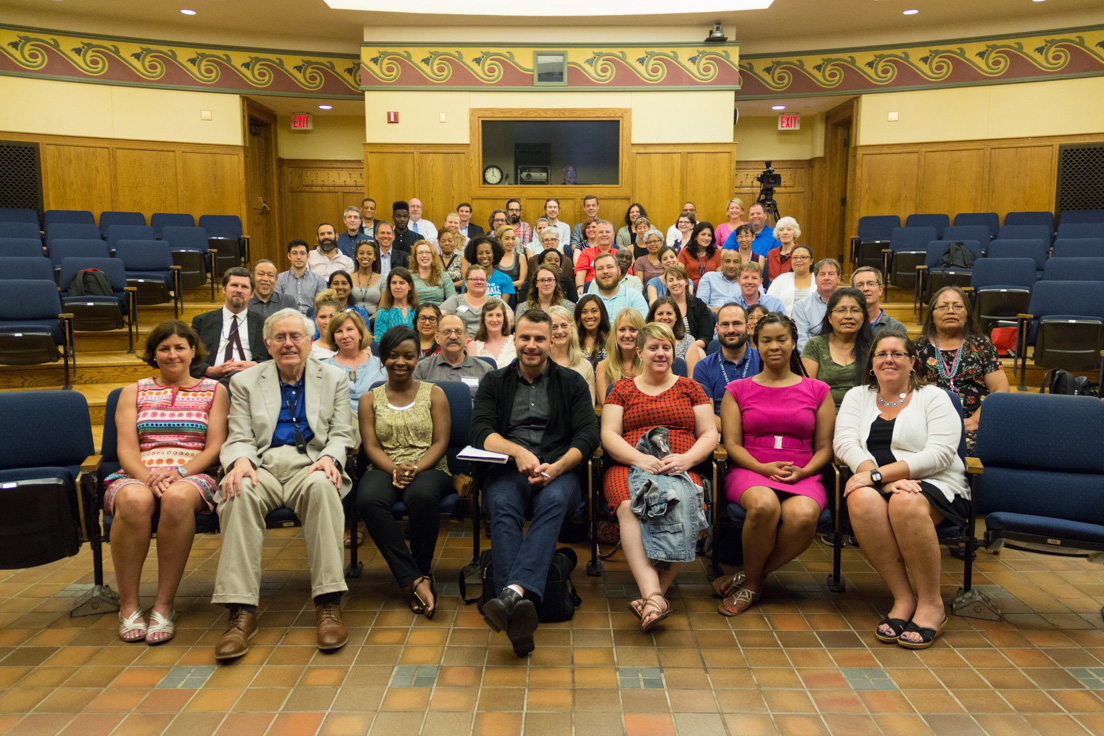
pixel 283 481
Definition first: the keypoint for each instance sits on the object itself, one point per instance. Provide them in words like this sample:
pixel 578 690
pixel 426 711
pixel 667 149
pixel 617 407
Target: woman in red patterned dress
pixel 170 430
pixel 655 398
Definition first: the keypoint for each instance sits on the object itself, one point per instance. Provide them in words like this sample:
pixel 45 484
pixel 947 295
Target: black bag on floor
pixel 1059 381
pixel 560 599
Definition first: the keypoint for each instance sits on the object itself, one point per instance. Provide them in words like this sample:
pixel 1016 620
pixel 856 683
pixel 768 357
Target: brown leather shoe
pixel 331 629
pixel 240 628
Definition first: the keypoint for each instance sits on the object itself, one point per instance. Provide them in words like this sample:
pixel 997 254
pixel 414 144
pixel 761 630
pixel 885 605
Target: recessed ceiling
pixel 289 105
pixel 551 8
pixel 803 105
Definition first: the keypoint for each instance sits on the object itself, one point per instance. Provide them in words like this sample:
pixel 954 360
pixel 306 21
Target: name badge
pixel 470 381
pixel 463 308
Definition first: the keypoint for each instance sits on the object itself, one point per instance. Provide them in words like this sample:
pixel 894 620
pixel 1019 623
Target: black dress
pixel 880 442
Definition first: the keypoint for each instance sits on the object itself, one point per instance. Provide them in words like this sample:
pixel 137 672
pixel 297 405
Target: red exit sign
pixel 301 121
pixel 789 122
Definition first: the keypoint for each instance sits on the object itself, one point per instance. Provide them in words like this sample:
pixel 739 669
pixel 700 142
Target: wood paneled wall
pixel 661 177
pixel 101 174
pixel 796 197
pixel 316 191
pixel 1002 175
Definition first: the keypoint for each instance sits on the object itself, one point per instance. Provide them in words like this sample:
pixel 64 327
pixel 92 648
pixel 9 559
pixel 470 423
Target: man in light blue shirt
pixel 751 288
pixel 718 288
pixel 809 312
pixel 615 295
pixel 764 234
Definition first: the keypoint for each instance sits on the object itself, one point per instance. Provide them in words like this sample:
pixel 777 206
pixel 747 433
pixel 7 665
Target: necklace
pixel 941 364
pixel 892 404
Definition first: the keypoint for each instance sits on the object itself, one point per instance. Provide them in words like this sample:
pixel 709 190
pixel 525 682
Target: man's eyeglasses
pixel 282 338
pixel 453 333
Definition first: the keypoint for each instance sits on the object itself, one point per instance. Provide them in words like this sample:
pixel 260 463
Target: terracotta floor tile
pixel 933 701
pixel 789 701
pixel 245 724
pixel 885 701
pixel 777 677
pixel 800 725
pixel 982 701
pixel 837 701
pixel 644 701
pixel 637 724
pixel 143 724
pixel 346 724
pixel 699 700
pixel 902 725
pixel 295 724
pixel 548 699
pixel 501 699
pixel 92 724
pixel 852 725
pixel 262 700
pixel 168 700
pixel 214 700
pixel 496 724
pixel 750 724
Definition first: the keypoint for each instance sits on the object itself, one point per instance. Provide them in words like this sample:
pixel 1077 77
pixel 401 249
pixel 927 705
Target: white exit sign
pixel 301 121
pixel 789 122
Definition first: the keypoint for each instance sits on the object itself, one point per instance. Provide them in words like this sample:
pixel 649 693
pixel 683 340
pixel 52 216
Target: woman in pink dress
pixel 777 429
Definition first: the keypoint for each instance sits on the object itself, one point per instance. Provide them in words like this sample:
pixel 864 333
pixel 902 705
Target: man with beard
pixel 453 362
pixel 420 225
pixel 326 258
pixel 540 414
pixel 496 220
pixel 809 312
pixel 615 295
pixel 291 427
pixel 405 238
pixel 736 359
pixel 513 218
pixel 718 288
pixel 232 335
pixel 389 256
pixel 266 300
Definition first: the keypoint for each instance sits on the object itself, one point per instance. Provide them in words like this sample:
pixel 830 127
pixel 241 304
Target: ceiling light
pixel 325 107
pixel 913 11
pixel 187 11
pixel 778 107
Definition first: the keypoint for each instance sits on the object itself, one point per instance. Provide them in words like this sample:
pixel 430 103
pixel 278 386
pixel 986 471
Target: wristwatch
pixel 182 470
pixel 876 477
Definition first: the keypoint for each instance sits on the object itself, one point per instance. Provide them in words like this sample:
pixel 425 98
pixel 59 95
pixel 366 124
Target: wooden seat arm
pixel 91 464
pixel 974 466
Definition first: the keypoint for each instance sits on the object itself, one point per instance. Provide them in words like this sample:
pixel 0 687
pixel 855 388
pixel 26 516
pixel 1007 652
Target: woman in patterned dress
pixel 954 355
pixel 656 397
pixel 170 429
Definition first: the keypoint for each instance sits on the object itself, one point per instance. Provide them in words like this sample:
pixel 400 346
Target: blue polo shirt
pixel 347 244
pixel 714 372
pixel 765 242
pixel 772 303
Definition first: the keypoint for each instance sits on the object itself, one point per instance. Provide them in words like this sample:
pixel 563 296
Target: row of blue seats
pixel 878 227
pixel 914 237
pixel 192 239
pixel 219 226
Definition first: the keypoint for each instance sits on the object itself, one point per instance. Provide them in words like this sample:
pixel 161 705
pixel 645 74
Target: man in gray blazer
pixel 290 426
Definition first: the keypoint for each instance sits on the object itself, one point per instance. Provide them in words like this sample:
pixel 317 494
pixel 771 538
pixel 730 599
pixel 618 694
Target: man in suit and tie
pixel 290 428
pixel 232 335
pixel 390 256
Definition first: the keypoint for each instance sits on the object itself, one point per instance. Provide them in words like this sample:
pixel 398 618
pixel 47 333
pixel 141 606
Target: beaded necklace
pixel 941 364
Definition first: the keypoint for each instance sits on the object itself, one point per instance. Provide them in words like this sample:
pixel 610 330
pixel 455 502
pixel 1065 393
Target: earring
pixel 872 371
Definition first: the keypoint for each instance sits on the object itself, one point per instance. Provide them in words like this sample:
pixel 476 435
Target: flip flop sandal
pixel 419 606
pixel 927 636
pixel 726 585
pixel 159 624
pixel 132 628
pixel 896 625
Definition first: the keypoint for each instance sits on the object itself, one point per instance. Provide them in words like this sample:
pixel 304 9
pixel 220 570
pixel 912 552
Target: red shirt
pixel 698 267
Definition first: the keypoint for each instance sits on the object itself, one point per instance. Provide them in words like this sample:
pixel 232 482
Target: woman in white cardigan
pixel 900 438
pixel 793 286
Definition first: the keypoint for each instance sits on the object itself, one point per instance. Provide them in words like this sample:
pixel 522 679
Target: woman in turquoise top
pixel 348 333
pixel 488 253
pixel 397 303
pixel 431 283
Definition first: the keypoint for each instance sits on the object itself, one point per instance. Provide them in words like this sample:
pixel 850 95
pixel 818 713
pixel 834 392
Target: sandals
pixel 651 605
pixel 361 531
pixel 927 636
pixel 726 585
pixel 896 625
pixel 738 602
pixel 132 628
pixel 419 606
pixel 161 628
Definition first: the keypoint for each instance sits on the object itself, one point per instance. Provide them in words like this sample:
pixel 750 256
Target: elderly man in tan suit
pixel 290 425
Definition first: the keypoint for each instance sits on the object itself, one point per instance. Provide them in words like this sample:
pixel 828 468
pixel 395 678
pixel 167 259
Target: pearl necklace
pixel 892 404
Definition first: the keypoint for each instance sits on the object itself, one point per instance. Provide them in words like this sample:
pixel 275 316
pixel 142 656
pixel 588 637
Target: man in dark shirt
pixel 541 415
pixel 266 301
pixel 405 238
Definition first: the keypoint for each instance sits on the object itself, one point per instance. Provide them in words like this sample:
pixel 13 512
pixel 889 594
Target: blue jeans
pixel 524 559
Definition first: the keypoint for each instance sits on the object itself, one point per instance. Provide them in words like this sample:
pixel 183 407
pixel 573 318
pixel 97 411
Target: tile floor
pixel 804 662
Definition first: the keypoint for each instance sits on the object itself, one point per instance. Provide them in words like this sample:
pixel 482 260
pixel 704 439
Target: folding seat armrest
pixel 974 466
pixel 720 454
pixel 91 464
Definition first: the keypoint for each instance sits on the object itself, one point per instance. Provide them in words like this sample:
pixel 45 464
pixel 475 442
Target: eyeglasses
pixel 949 308
pixel 843 311
pixel 282 338
pixel 427 318
pixel 883 354
pixel 452 333
pixel 550 239
pixel 546 281
pixel 476 281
